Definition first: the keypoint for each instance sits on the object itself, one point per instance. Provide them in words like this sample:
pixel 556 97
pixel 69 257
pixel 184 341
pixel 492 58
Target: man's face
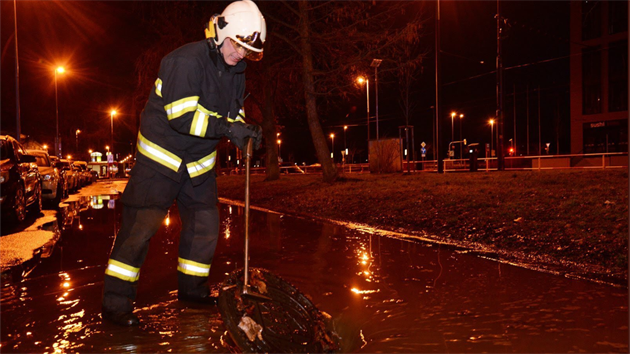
pixel 232 52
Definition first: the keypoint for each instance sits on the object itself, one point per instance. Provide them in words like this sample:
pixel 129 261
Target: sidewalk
pixel 38 239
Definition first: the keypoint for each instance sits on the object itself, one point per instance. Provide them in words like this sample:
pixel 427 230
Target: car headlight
pixel 4 177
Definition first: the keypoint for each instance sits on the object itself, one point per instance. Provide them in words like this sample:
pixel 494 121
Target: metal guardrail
pixel 542 162
pixel 512 163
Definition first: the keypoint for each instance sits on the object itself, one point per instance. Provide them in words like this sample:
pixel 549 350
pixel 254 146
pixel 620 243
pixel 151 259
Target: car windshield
pixel 42 161
pixel 6 150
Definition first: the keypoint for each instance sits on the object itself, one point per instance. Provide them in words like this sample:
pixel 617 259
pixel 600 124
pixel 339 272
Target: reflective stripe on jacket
pixel 195 99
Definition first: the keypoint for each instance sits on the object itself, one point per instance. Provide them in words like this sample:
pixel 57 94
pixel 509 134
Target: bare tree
pixel 335 41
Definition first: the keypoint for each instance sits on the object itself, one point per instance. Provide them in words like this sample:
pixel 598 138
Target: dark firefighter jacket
pixel 195 99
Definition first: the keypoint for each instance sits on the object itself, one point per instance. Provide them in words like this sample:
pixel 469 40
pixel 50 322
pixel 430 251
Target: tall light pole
pixel 461 149
pixel 77 135
pixel 367 91
pixel 491 134
pixel 17 75
pixel 438 113
pixel 111 116
pixel 461 117
pixel 345 146
pixel 332 150
pixel 499 112
pixel 375 64
pixel 453 114
pixel 279 149
pixel 59 70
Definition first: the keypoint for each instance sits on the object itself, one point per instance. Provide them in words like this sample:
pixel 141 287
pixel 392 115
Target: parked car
pixel 54 160
pixel 20 180
pixel 86 176
pixel 52 183
pixel 71 176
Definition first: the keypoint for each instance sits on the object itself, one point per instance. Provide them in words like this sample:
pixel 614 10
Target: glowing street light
pixel 361 80
pixel 453 114
pixel 332 151
pixel 77 136
pixel 59 70
pixel 491 134
pixel 279 149
pixel 375 64
pixel 345 146
pixel 111 115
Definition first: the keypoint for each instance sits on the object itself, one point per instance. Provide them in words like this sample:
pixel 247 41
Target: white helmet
pixel 244 24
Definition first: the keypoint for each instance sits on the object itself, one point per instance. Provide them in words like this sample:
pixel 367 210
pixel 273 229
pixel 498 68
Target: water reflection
pixel 384 294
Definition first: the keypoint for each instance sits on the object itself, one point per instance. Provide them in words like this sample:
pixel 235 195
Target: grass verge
pixel 564 220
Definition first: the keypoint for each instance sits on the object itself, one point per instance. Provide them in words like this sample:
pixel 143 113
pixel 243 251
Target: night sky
pixel 99 42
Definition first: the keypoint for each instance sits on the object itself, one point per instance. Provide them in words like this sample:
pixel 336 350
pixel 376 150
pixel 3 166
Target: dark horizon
pixel 103 40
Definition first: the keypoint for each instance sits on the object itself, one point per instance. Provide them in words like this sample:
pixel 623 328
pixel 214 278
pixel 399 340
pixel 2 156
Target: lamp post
pixel 461 150
pixel 367 91
pixel 279 149
pixel 453 114
pixel 17 76
pixel 59 70
pixel 345 146
pixel 111 115
pixel 332 151
pixel 77 137
pixel 375 64
pixel 491 134
pixel 461 117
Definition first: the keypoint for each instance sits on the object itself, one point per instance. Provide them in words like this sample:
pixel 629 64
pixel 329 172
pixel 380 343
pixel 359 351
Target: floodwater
pixel 384 294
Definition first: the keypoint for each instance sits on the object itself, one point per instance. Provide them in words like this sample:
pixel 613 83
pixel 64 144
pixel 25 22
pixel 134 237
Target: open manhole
pixel 286 322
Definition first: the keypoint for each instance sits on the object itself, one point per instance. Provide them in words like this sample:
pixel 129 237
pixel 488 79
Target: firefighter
pixel 197 99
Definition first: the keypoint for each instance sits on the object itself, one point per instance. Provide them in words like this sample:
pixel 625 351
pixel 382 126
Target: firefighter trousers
pixel 146 201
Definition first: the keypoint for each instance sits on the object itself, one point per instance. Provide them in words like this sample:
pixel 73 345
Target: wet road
pixel 384 294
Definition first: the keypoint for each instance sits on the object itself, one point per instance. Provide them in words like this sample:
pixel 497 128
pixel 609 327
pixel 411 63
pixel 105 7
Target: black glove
pixel 240 132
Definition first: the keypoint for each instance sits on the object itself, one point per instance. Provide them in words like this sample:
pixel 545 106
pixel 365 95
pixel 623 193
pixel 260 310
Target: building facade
pixel 599 76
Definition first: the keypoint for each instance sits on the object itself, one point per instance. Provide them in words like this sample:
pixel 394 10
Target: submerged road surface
pixel 384 294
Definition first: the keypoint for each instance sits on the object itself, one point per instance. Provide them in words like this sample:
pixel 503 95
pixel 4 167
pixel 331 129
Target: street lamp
pixel 461 117
pixel 345 146
pixel 367 91
pixel 375 64
pixel 491 134
pixel 279 149
pixel 17 76
pixel 111 115
pixel 77 135
pixel 332 151
pixel 453 114
pixel 59 70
